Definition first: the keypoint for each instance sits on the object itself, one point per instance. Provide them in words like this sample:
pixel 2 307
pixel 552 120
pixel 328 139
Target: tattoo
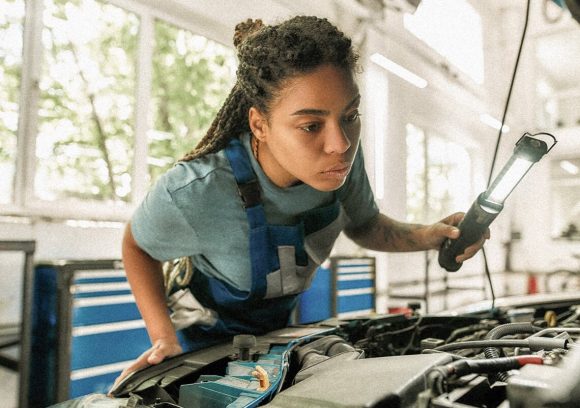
pixel 400 236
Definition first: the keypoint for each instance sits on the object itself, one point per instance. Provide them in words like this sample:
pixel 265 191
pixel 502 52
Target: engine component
pixel 418 361
pixel 378 382
pixel 547 386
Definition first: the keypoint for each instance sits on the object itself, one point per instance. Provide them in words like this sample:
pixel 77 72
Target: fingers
pixel 161 350
pixel 446 228
pixel 453 219
pixel 471 250
pixel 451 232
pixel 155 355
pixel 137 365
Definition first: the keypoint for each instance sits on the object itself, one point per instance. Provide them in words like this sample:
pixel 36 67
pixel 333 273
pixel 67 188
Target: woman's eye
pixel 352 117
pixel 311 127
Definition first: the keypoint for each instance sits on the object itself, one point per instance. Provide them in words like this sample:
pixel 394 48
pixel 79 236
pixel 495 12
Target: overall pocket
pixel 187 311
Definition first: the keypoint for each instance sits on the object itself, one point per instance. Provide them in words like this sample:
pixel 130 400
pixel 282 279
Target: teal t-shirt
pixel 214 232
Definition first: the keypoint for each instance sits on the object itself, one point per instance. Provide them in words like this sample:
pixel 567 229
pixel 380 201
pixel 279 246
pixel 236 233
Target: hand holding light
pixel 528 150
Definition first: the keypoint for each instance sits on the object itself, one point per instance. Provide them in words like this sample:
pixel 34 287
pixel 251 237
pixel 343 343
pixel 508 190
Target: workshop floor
pixel 8 388
pixel 9 379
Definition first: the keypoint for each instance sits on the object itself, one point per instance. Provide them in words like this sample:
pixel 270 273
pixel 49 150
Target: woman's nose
pixel 336 140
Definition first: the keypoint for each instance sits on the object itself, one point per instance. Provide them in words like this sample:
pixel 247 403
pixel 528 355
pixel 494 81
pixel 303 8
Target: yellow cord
pixel 178 272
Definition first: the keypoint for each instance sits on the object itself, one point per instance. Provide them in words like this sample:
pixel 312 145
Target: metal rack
pixel 24 338
pixel 424 295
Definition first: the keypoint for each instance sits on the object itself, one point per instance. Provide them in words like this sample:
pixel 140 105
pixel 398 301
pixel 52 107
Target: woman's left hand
pixel 446 228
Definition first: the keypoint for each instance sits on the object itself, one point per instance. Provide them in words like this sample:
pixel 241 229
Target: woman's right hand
pixel 160 350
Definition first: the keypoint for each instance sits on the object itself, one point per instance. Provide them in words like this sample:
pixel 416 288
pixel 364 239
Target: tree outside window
pixel 11 29
pixel 192 76
pixel 84 146
pixel 86 114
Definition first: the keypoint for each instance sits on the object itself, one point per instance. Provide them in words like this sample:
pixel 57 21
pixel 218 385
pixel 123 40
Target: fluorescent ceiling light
pixel 398 70
pixel 569 167
pixel 493 122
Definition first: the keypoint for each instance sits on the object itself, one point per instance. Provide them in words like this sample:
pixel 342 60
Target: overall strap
pixel 249 191
pixel 248 186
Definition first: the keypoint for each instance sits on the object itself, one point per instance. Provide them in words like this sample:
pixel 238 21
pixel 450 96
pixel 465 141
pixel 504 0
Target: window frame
pixel 445 62
pixel 24 203
pixel 555 182
pixel 429 133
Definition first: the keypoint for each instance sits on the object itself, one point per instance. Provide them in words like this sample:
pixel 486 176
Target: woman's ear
pixel 258 123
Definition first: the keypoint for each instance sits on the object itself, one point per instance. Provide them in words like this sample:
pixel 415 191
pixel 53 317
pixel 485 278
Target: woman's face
pixel 312 133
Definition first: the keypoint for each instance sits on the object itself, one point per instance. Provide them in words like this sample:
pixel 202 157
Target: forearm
pixel 385 234
pixel 146 279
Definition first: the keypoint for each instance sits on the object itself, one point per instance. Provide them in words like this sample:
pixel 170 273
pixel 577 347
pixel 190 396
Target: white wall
pixel 537 251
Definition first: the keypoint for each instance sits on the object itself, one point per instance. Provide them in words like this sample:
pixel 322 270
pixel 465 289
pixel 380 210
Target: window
pixel 438 176
pixel 124 90
pixel 416 179
pixel 453 29
pixel 565 175
pixel 11 29
pixel 191 78
pixel 84 146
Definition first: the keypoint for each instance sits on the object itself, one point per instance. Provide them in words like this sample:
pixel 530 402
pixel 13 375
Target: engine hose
pixel 506 330
pixel 474 366
pixel 533 343
pixel 438 376
pixel 455 334
pixel 551 330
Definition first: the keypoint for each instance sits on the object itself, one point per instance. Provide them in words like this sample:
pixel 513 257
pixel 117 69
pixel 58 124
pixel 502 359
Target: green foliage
pixel 86 131
pixel 11 20
pixel 87 101
pixel 191 77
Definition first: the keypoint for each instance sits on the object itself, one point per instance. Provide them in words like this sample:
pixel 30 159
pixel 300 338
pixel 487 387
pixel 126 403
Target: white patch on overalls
pixel 187 311
pixel 292 279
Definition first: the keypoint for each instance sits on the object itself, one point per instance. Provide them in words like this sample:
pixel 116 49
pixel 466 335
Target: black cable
pixel 488 274
pixel 507 102
pixel 509 95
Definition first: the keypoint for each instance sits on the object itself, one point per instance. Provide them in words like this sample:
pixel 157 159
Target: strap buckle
pixel 250 193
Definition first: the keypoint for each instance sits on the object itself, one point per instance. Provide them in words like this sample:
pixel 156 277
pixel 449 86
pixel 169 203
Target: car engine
pixel 523 354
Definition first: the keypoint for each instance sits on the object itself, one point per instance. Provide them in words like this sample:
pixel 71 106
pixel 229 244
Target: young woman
pixel 259 203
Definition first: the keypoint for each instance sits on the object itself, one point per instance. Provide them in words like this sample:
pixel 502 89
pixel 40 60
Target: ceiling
pixel 557 46
pixel 558 55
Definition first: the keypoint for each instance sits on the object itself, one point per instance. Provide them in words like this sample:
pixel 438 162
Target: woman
pixel 258 204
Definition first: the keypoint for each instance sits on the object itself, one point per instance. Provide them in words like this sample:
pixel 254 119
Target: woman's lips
pixel 339 171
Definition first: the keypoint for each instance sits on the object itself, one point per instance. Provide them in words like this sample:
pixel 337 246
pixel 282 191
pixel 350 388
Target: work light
pixel 528 150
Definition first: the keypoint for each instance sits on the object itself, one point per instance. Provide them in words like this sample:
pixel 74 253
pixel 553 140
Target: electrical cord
pixel 506 106
pixel 488 274
pixel 509 95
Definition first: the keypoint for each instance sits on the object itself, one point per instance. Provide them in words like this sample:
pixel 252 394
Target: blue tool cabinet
pixel 354 285
pixel 343 287
pixel 86 329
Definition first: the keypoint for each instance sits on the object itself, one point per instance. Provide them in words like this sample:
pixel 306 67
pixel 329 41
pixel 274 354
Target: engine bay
pixel 519 355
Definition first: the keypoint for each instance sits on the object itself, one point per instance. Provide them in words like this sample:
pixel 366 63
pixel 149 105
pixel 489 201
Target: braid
pixel 230 121
pixel 268 57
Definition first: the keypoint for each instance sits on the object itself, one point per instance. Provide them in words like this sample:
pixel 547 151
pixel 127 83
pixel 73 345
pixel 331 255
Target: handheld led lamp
pixel 528 150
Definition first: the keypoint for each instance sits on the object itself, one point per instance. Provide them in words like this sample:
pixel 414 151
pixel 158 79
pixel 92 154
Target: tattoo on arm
pixel 401 236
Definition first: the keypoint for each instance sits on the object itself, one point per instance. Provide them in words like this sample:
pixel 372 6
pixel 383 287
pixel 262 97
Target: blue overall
pixel 265 307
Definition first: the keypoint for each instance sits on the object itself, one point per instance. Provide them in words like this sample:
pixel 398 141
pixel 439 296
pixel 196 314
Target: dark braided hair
pixel 269 56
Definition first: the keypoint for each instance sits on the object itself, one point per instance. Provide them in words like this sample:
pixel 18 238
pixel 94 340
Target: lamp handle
pixel 471 228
